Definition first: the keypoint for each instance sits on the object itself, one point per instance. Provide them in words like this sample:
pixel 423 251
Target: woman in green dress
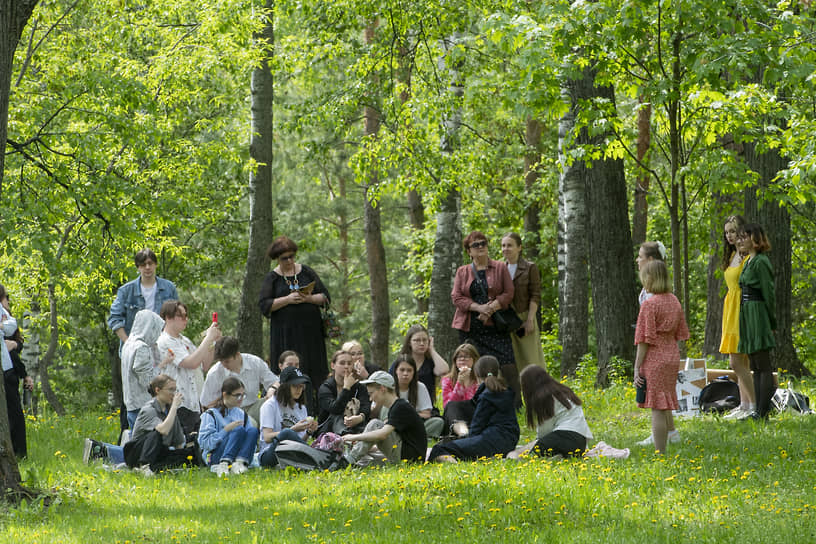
pixel 757 317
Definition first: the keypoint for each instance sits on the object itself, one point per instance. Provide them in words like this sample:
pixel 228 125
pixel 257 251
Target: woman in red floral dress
pixel 660 325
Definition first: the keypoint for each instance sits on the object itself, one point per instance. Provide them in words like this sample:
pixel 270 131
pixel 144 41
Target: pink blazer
pixel 499 287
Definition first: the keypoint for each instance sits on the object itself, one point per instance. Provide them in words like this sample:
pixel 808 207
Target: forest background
pixel 374 134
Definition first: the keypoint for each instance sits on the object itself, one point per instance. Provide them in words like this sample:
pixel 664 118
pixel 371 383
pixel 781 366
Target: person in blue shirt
pixel 226 435
pixel 148 291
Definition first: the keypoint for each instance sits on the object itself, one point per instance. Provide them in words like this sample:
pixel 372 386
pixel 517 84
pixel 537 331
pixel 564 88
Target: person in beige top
pixel 526 296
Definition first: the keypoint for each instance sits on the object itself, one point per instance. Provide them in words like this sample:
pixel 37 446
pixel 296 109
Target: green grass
pixel 726 482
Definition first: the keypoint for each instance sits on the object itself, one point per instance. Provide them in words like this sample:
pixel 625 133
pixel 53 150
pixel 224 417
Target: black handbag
pixel 506 320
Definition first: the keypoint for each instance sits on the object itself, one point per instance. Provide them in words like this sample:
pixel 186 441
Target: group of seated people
pixel 238 415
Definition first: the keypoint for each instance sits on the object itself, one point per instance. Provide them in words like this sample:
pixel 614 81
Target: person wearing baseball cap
pixel 401 437
pixel 284 416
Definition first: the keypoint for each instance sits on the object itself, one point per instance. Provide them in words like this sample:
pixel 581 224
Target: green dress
pixel 757 318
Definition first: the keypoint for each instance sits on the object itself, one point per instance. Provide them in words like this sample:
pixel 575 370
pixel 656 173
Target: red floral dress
pixel 661 324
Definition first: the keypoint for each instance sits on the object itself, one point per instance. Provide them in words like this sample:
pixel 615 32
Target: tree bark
pixel 375 250
pixel 261 150
pixel 640 217
pixel 14 15
pixel 614 292
pixel 573 244
pixel 532 159
pixel 775 220
pixel 447 254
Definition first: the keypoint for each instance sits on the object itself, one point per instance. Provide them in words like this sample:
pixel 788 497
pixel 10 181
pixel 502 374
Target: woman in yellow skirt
pixel 732 267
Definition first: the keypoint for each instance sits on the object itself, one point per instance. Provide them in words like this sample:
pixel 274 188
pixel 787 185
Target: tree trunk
pixel 722 207
pixel 573 244
pixel 416 212
pixel 48 358
pixel 447 254
pixel 375 250
pixel 261 150
pixel 640 217
pixel 775 220
pixel 614 292
pixel 532 159
pixel 14 15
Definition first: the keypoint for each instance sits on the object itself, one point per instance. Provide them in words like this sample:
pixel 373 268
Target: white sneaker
pixel 673 438
pixel 238 467
pixel 221 469
pixel 736 413
pixel 145 471
pixel 125 437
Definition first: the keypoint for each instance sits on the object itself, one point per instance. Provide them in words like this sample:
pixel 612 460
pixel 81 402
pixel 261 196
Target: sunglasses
pixel 478 245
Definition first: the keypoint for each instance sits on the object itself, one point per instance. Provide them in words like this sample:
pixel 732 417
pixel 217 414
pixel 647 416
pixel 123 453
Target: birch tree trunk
pixel 261 150
pixel 573 246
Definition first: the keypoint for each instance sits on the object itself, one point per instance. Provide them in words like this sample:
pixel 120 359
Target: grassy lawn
pixel 725 482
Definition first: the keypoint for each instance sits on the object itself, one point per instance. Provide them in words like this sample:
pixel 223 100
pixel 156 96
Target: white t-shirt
pixel 564 419
pixel 277 417
pixel 254 372
pixel 149 294
pixel 423 398
pixel 189 381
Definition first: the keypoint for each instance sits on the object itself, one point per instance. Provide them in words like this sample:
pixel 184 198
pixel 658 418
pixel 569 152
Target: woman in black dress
pixel 291 296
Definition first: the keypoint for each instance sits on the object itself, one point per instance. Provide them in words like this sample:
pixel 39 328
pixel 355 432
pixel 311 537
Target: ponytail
pixel 487 370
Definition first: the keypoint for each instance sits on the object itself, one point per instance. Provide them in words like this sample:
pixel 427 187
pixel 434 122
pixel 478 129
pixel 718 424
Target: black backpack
pixel 291 453
pixel 721 395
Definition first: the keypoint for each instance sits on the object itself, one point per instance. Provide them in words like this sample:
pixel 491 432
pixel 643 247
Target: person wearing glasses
pixel 291 297
pixel 419 346
pixel 227 436
pixel 480 289
pixel 158 440
pixel 188 363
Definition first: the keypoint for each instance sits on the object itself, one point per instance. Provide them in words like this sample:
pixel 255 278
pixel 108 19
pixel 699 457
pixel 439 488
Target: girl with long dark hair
pixel 554 411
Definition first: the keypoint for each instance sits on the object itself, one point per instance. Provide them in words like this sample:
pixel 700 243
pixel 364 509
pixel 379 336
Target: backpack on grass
pixel 721 395
pixel 291 453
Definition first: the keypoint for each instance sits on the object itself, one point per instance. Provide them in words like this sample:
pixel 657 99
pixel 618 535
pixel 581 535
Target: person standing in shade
pixel 480 289
pixel 732 263
pixel 148 291
pixel 291 297
pixel 757 318
pixel 526 296
pixel 13 371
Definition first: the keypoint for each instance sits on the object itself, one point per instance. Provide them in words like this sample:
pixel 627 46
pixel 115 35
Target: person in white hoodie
pixel 140 362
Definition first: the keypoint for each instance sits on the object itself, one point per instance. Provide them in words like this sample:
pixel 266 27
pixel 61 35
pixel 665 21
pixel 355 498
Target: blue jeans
pixel 131 417
pixel 268 457
pixel 239 444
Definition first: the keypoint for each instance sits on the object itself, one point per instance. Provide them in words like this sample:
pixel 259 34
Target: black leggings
pixel 764 386
pixel 566 443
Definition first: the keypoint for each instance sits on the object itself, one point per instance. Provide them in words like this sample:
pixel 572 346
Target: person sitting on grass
pixel 555 412
pixel 250 369
pixel 158 438
pixel 342 399
pixel 226 435
pixel 401 437
pixel 284 416
pixel 494 429
pixel 458 388
pixel 415 392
